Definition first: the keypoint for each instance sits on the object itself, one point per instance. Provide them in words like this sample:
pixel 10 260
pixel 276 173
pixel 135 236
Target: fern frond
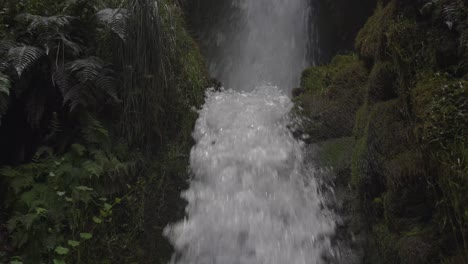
pixel 40 22
pixel 24 57
pixel 5 86
pixel 55 126
pixel 107 84
pixel 94 132
pixel 61 80
pixel 76 96
pixel 93 168
pixel 56 40
pixel 85 69
pixel 452 14
pixel 115 20
pixel 6 45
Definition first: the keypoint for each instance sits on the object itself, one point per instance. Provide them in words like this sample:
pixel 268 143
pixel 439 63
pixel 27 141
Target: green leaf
pixel 59 261
pixel 97 220
pixel 40 211
pixel 61 250
pixel 86 236
pixel 16 262
pixel 84 188
pixel 79 149
pixel 73 243
pixel 118 200
pixel 107 206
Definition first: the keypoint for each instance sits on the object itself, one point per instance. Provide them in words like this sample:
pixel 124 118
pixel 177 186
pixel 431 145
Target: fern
pixel 115 20
pixel 55 127
pixel 84 81
pixel 94 132
pixel 85 69
pixel 453 13
pixel 22 58
pixel 50 32
pixel 6 45
pixel 5 86
pixel 43 22
pixel 77 95
pixel 107 84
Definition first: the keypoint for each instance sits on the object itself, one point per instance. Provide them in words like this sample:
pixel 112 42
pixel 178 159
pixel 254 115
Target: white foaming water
pixel 252 199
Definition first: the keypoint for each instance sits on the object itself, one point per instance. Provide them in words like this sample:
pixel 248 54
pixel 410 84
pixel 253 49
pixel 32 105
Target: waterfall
pixel 253 198
pixel 260 41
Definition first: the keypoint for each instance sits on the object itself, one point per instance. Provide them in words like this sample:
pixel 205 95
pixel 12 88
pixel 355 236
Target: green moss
pixel 416 248
pixel 405 47
pixel 333 93
pixel 315 80
pixel 360 123
pixel 359 165
pixel 385 243
pixel 381 134
pixel 439 102
pixel 336 152
pixel 370 41
pixel 405 169
pixel 408 166
pixel 381 85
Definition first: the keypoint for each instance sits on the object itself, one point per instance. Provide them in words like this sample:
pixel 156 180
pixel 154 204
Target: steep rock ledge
pixel 391 119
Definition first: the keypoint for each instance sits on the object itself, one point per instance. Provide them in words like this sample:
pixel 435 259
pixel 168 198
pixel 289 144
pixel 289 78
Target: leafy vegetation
pixel 96 102
pixel 407 164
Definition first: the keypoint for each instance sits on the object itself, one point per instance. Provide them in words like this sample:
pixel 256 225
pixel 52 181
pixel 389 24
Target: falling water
pixel 253 198
pixel 260 41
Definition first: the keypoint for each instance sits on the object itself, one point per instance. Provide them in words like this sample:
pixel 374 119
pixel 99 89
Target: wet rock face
pixel 404 151
pixel 336 25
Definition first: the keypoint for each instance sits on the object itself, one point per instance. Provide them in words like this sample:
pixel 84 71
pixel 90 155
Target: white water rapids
pixel 253 199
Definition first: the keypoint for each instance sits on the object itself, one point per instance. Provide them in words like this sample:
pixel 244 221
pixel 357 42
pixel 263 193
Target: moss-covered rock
pixel 336 153
pixel 382 83
pixel 370 41
pixel 332 95
pixel 408 166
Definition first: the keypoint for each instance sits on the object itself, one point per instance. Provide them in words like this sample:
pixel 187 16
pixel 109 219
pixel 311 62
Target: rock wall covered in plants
pixel 391 119
pixel 97 105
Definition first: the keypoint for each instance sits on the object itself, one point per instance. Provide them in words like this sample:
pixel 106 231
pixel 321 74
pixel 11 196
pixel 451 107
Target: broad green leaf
pixel 86 235
pixel 118 200
pixel 73 243
pixel 61 250
pixel 107 206
pixel 97 220
pixel 40 210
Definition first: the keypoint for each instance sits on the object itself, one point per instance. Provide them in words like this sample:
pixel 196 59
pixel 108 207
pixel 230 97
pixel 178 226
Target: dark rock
pixel 297 91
